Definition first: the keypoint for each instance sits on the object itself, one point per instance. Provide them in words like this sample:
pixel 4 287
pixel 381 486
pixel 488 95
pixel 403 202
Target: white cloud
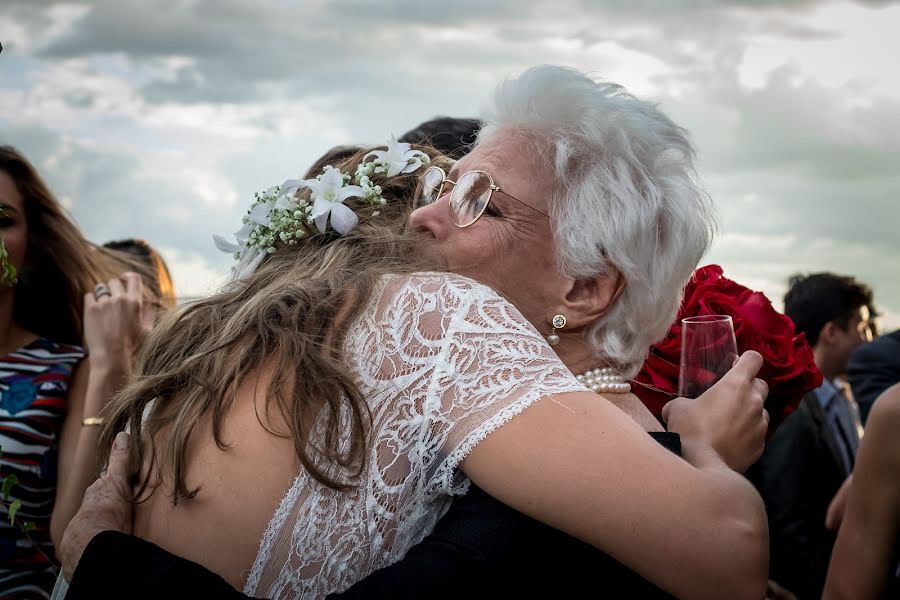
pixel 848 54
pixel 748 241
pixel 152 126
pixel 194 275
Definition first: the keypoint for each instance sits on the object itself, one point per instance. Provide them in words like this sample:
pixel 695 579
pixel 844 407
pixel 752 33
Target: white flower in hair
pixel 398 158
pixel 261 213
pixel 329 190
pixel 250 259
pixel 281 217
pixel 272 216
pixel 225 246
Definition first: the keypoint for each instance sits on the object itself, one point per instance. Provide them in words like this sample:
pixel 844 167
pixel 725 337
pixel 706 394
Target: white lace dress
pixel 442 362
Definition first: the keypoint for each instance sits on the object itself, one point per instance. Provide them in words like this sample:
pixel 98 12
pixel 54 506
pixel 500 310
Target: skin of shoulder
pixel 241 486
pixel 860 562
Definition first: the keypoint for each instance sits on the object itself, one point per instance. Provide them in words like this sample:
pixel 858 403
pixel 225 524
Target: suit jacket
pixel 874 368
pixel 797 476
pixel 480 549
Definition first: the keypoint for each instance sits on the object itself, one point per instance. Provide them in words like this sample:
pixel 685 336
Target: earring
pixel 558 322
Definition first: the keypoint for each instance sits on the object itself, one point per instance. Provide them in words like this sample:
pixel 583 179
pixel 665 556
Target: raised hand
pixel 115 320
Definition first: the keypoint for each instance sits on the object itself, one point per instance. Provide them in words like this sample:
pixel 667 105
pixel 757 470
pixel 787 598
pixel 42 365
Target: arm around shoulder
pixel 579 464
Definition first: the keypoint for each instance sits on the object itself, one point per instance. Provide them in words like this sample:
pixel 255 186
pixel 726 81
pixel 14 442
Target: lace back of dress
pixel 442 361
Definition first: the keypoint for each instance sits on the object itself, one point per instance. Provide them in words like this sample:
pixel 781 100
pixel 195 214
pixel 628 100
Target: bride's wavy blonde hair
pixel 288 318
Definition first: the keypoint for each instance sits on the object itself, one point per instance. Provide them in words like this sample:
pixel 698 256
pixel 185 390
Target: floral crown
pixel 280 216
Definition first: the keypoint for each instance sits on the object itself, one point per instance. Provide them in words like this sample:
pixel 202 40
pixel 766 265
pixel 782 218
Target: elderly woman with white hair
pixel 579 206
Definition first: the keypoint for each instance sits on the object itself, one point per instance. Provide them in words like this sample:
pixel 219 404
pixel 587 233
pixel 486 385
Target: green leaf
pixel 8 274
pixel 28 526
pixel 13 509
pixel 9 482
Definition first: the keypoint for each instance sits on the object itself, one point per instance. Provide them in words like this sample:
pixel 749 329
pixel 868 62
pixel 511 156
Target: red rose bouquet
pixel 789 368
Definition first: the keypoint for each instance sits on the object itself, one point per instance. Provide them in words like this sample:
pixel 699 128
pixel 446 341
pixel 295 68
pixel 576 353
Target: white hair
pixel 625 198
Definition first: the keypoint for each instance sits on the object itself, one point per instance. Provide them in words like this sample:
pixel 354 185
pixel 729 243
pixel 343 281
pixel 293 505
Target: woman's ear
pixel 586 300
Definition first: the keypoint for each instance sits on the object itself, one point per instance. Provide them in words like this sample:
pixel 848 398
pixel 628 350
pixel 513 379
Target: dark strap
pixel 669 440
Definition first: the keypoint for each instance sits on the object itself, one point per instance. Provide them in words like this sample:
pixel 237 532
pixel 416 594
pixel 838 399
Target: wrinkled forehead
pixel 515 159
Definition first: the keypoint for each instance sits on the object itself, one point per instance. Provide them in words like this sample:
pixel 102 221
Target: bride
pixel 310 423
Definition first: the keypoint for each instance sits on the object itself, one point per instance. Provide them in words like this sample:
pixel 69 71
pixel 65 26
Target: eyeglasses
pixel 868 324
pixel 469 198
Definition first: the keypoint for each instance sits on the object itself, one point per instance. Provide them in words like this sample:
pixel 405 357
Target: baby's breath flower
pixel 277 216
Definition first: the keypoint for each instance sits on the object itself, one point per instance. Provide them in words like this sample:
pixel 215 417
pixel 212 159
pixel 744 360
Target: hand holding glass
pixel 708 351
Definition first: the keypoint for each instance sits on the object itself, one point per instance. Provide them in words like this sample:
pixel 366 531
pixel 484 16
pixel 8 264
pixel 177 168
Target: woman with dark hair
pixel 49 400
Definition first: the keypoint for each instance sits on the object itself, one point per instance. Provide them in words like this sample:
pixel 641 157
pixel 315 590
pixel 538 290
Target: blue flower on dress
pixel 17 396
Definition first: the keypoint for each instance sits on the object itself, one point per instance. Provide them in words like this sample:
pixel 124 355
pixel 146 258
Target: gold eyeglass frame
pixel 444 180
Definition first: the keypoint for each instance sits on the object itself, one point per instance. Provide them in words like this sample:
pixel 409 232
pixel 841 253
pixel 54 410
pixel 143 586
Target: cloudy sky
pixel 160 118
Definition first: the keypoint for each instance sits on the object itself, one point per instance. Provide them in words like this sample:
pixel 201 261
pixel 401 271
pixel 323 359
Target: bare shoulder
pixel 881 444
pixel 884 420
pixel 240 486
pixel 887 406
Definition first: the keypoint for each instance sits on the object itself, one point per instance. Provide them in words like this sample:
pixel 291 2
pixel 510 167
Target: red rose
pixel 788 368
pixel 657 383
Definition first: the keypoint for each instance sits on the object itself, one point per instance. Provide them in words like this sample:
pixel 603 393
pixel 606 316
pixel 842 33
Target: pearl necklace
pixel 604 381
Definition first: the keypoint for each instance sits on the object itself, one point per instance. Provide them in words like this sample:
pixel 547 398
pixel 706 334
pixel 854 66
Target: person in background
pixel 813 452
pixel 872 369
pixel 50 399
pixel 160 281
pixel 453 136
pixel 865 563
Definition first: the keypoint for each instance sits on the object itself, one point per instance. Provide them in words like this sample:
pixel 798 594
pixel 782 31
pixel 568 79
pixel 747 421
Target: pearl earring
pixel 558 322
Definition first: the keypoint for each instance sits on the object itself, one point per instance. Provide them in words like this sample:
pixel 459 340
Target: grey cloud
pixel 201 29
pixel 459 12
pixel 805 227
pixel 379 68
pixel 241 50
pixel 109 198
pixel 674 6
pixel 795 128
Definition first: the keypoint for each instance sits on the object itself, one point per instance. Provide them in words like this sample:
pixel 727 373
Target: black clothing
pixel 480 548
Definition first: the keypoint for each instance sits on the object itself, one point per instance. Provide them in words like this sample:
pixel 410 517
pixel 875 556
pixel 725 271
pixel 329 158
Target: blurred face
pixel 510 247
pixel 13 228
pixel 857 332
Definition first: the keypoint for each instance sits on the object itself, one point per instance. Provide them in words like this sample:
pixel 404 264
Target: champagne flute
pixel 708 351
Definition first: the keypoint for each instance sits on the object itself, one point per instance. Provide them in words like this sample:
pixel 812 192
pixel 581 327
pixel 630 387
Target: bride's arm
pixel 695 528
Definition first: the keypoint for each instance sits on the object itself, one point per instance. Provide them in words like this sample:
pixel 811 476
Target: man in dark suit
pixel 812 453
pixel 874 368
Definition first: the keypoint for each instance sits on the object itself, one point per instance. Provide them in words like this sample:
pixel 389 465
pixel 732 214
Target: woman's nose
pixel 431 218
